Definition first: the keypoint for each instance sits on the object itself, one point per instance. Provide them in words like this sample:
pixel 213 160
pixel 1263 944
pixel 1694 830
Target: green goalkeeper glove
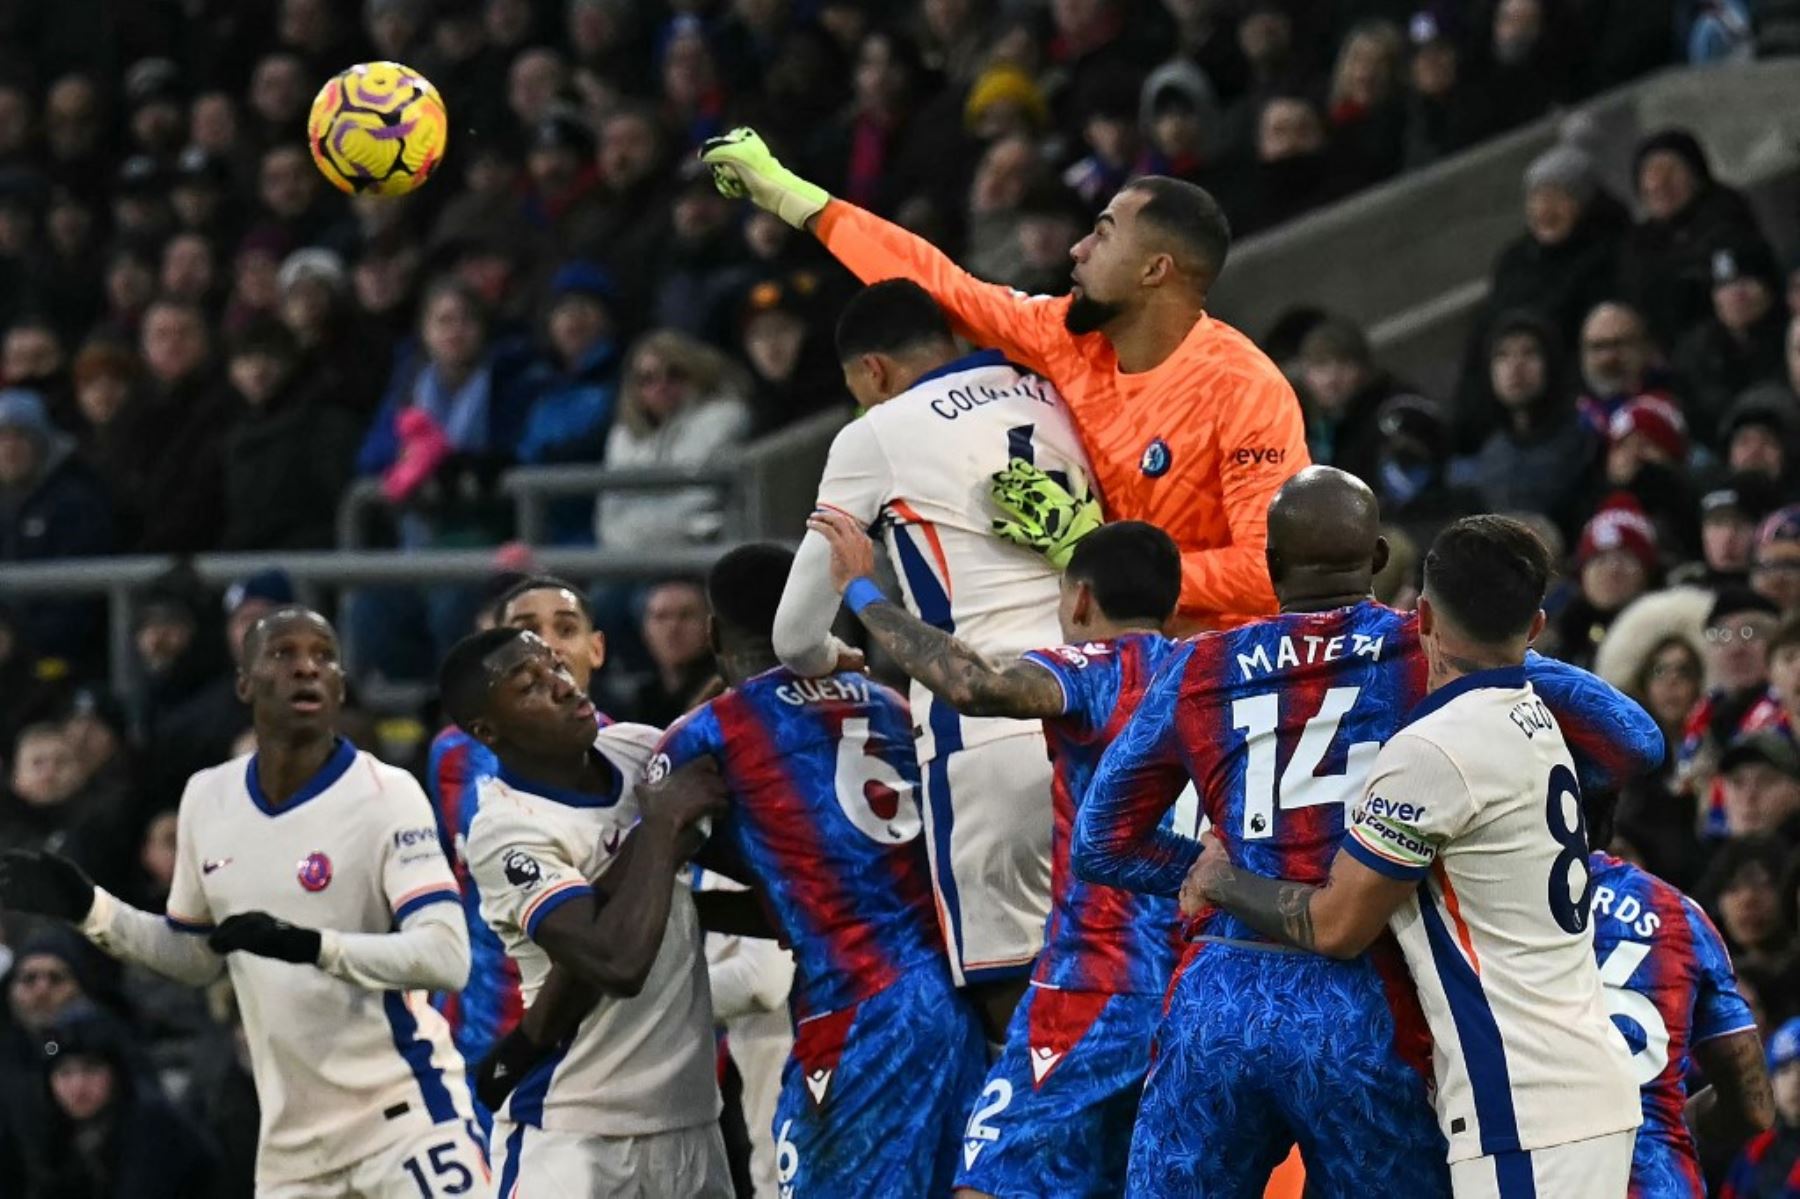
pixel 1043 515
pixel 743 166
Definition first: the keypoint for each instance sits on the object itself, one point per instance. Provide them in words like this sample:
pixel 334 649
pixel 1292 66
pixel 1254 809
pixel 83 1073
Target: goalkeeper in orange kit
pixel 1188 425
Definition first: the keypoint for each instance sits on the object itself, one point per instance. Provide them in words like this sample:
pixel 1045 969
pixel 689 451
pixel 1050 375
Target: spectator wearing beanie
pixel 51 506
pixel 1615 562
pixel 1729 516
pixel 1564 263
pixel 110 1131
pixel 1646 455
pixel 1443 114
pixel 287 452
pixel 1740 343
pixel 1738 627
pixel 1343 391
pixel 1665 267
pixel 574 388
pixel 1775 569
pixel 335 354
pixel 1768 1162
pixel 1182 126
pixel 1005 101
pixel 1757 433
pixel 1540 453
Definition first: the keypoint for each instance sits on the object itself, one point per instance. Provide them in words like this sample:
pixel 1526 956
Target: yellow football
pixel 378 127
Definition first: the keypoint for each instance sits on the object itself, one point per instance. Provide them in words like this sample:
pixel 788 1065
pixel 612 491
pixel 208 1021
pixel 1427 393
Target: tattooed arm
pixel 953 670
pixel 946 666
pixel 1738 1103
pixel 1339 918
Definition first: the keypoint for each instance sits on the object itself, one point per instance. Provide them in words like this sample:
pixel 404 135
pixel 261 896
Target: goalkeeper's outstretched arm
pixel 1029 329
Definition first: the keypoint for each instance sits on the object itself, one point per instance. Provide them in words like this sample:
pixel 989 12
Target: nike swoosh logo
pixel 208 867
pixel 612 841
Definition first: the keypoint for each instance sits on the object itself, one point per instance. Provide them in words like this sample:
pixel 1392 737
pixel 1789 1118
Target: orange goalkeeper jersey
pixel 1197 445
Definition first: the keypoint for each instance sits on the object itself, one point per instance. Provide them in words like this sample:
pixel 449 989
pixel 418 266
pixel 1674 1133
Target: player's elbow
pixel 1094 861
pixel 1341 938
pixel 801 651
pixel 609 975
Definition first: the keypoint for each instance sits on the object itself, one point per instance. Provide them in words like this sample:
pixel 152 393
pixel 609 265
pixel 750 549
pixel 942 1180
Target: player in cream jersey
pixel 294 868
pixel 615 1089
pixel 919 463
pixel 1469 842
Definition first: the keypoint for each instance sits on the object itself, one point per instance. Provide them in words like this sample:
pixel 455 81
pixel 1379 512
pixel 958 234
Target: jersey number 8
pixel 1568 826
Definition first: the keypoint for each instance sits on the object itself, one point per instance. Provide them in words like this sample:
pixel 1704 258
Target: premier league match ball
pixel 378 128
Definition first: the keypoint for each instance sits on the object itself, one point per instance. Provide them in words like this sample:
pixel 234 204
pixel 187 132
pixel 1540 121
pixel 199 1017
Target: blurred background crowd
pixel 202 345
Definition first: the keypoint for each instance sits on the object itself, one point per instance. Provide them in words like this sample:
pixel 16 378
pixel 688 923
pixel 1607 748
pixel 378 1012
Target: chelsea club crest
pixel 1156 460
pixel 315 872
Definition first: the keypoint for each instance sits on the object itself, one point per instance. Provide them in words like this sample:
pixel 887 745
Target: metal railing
pixel 314 573
pixel 764 489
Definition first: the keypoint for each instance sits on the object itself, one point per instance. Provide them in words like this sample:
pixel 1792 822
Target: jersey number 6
pixel 877 800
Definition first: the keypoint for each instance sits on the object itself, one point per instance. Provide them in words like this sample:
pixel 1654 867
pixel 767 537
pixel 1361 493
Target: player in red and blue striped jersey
pixel 1673 995
pixel 489 1006
pixel 1055 1113
pixel 824 820
pixel 1277 723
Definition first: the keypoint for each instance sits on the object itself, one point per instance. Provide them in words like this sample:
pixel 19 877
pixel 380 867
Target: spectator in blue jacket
pixel 51 506
pixel 575 387
pixel 573 394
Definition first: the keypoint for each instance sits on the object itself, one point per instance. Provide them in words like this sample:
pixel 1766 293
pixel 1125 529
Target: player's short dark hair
pixel 463 677
pixel 1187 212
pixel 890 317
pixel 1488 574
pixel 1133 569
pixel 532 583
pixel 744 588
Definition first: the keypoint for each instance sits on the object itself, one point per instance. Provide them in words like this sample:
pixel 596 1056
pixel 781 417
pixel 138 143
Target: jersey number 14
pixel 1302 786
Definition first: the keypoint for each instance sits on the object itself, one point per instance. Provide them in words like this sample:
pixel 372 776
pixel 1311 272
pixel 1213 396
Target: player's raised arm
pixel 1025 327
pixel 951 669
pixel 1119 837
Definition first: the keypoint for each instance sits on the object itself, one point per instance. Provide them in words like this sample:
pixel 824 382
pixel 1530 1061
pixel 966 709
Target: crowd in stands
pixel 202 345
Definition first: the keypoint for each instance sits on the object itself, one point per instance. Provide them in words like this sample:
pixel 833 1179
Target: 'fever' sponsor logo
pixel 406 838
pixel 1260 456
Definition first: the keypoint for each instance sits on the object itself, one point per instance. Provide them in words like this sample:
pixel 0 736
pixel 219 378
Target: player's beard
pixel 1088 315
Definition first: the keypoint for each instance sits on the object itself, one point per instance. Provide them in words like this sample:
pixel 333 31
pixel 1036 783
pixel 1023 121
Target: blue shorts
pixel 1259 1050
pixel 1055 1116
pixel 874 1096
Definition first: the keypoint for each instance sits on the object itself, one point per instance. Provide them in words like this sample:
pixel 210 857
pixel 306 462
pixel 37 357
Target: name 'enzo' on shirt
pixel 1532 717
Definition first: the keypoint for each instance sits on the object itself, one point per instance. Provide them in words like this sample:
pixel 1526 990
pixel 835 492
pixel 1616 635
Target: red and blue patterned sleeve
pixel 1719 1010
pixel 1067 664
pixel 694 736
pixel 1740 1182
pixel 1120 839
pixel 1611 738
